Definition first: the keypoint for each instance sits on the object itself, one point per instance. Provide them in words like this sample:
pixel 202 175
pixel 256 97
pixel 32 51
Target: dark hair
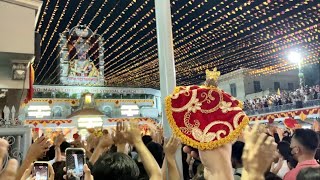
pixel 64 145
pixel 58 169
pixel 309 174
pixel 146 139
pixel 307 138
pixel 292 162
pixel 237 150
pixel 116 166
pixel 284 149
pixel 271 176
pixel 157 151
pixel 286 139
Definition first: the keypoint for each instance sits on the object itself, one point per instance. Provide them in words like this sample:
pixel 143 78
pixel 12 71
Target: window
pixel 233 89
pixel 290 86
pixel 276 85
pixel 256 86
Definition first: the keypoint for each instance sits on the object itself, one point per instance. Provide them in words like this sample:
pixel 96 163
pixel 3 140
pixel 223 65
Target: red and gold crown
pixel 205 117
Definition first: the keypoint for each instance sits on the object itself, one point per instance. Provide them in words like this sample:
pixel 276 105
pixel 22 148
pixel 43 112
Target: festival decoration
pixel 291 114
pixel 291 123
pixel 205 117
pixel 58 122
pixel 225 34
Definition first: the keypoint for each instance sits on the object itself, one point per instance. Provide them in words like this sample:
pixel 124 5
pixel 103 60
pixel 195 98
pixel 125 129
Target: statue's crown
pixel 212 75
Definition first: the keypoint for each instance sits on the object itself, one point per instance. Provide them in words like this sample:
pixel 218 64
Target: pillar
pixel 166 62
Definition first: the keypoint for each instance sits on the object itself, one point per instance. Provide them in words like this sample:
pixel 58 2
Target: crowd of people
pixel 261 152
pixel 296 98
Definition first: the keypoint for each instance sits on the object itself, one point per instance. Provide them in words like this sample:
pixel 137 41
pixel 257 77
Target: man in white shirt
pixel 60 151
pixel 237 150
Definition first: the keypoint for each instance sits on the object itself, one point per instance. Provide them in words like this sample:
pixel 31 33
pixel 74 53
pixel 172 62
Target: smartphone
pixel 40 170
pixel 75 159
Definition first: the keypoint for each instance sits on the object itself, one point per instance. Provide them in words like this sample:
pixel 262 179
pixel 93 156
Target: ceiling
pixel 228 34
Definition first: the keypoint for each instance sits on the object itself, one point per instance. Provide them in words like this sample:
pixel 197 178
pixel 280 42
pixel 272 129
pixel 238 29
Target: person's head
pixel 309 174
pixel 157 151
pixel 58 169
pixel 146 139
pixel 236 154
pixel 286 139
pixel 304 144
pixel 117 166
pixel 284 150
pixel 64 145
pixel 271 176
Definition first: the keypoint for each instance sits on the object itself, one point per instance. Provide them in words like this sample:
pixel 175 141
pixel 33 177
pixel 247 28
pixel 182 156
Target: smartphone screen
pixel 40 171
pixel 75 159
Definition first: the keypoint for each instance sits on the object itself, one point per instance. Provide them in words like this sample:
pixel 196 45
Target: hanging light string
pixel 141 75
pixel 154 50
pixel 275 26
pixel 241 31
pixel 101 36
pixel 53 62
pixel 281 47
pixel 107 30
pixel 56 27
pixel 81 19
pixel 67 27
pixel 119 29
pixel 42 16
pixel 235 55
pixel 226 45
pixel 50 21
pixel 98 12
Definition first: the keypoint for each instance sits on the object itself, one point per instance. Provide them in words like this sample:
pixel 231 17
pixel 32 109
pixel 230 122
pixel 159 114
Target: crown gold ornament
pixel 212 77
pixel 212 74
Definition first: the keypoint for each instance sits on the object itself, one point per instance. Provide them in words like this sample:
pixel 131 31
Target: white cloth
pixel 283 170
pixel 63 158
pixel 237 173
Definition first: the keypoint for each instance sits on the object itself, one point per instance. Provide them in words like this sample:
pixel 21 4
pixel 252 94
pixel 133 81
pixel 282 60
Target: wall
pixel 6 81
pixel 17 28
pixel 267 81
pixel 239 81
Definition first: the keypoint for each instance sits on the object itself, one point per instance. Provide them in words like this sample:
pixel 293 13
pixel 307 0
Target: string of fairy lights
pixel 50 21
pixel 67 27
pixel 227 34
pixel 148 14
pixel 44 12
pixel 108 29
pixel 79 22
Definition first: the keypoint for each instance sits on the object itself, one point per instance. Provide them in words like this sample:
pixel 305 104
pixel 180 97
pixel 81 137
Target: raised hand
pixel 132 133
pixel 118 135
pixel 105 141
pixel 171 146
pixel 258 152
pixel 59 139
pixel 38 148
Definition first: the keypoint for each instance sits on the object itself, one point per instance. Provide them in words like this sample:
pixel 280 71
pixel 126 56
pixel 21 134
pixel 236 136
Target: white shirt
pixel 63 158
pixel 283 170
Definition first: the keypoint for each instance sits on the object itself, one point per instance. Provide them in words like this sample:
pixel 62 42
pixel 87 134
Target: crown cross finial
pixel 212 75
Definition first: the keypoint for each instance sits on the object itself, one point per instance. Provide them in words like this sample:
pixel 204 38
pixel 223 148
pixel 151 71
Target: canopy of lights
pixel 228 34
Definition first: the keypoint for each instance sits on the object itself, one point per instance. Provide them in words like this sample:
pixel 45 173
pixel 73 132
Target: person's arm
pixel 133 135
pixel 104 142
pixel 9 172
pixel 170 149
pixel 36 150
pixel 149 163
pixel 258 153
